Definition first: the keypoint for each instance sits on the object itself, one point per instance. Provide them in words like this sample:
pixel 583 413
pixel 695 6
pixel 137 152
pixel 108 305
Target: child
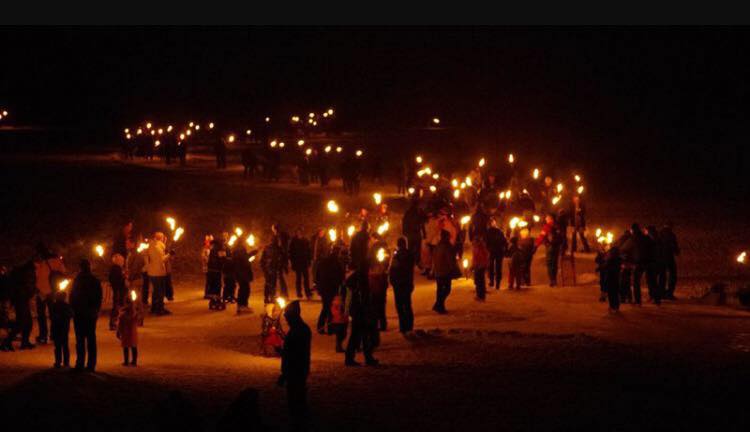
pixel 117 282
pixel 127 330
pixel 339 319
pixel 517 262
pixel 480 260
pixel 61 313
pixel 271 334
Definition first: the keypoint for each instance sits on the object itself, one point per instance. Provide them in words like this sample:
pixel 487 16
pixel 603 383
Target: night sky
pixel 662 105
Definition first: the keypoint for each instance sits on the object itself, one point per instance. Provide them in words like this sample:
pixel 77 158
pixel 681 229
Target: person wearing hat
pixel 295 363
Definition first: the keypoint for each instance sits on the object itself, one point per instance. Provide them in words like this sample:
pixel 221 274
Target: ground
pixel 543 358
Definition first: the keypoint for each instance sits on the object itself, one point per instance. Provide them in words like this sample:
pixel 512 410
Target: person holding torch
pixel 156 266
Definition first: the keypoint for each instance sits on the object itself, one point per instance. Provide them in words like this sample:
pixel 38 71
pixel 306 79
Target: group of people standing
pixel 638 253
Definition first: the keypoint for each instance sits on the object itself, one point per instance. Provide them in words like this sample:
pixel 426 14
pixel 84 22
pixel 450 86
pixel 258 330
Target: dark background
pixel 658 108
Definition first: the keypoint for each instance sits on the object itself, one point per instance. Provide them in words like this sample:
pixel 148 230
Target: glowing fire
pixel 577 178
pixel 419 159
pixel 359 153
pixel 481 162
pixel 511 158
pixel 142 247
pixel 332 206
pixel 238 231
pixel 332 234
pixel 556 199
pixel 171 222
pixel 559 187
pixel 383 227
pixel 350 230
pixel 535 173
pixel 741 257
pixel 250 240
pixel 514 222
pixel 281 302
pixel 465 219
pixel 377 197
pixel 232 240
pixel 381 255
pixel 63 284
pixel 133 295
pixel 580 189
pixel 465 263
pixel 99 249
pixel 178 233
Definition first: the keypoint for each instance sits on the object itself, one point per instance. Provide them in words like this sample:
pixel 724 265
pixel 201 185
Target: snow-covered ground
pixel 542 358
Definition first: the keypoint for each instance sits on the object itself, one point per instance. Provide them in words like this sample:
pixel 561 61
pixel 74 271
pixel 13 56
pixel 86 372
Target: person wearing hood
pixel 295 364
pixel 243 274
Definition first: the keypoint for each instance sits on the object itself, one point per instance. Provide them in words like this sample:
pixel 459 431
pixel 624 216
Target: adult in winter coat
pixel 300 256
pixel 270 264
pixel 331 273
pixel 480 261
pixel 364 333
pixel 118 285
pixel 668 275
pixel 21 285
pixel 359 249
pixel 412 226
pixel 243 274
pixel 86 301
pixel 283 237
pixel 551 237
pixel 401 274
pixel 444 267
pixel 497 246
pixel 636 252
pixel 295 364
pixel 49 271
pixel 610 273
pixel 156 267
pixel 578 212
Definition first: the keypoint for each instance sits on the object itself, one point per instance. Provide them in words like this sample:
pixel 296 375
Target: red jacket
pixel 127 326
pixel 546 230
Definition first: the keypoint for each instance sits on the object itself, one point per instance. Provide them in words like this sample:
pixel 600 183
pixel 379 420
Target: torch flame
pixel 598 232
pixel 559 187
pixel 577 178
pixel 250 240
pixel 332 206
pixel 238 231
pixel 419 159
pixel 232 240
pixel 411 191
pixel 133 295
pixel 327 149
pixel 454 183
pixel 456 193
pixel 535 173
pixel 230 138
pixel 142 247
pixel 172 223
pixel 383 228
pixel 556 199
pixel 433 188
pixel 301 143
pixel 377 197
pixel 251 259
pixel 350 230
pixel 332 234
pixel 99 249
pixel 63 284
pixel 514 222
pixel 481 162
pixel 308 151
pixel 465 263
pixel 580 189
pixel 359 153
pixel 178 233
pixel 536 218
pixel 381 255
pixel 465 219
pixel 281 302
pixel 468 181
pixel 511 159
pixel 741 257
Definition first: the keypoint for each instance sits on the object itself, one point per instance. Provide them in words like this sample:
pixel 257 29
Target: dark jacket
pixel 330 275
pixel 86 296
pixel 243 268
pixel 401 272
pixel 117 282
pixel 300 253
pixel 496 242
pixel 478 227
pixel 295 356
pixel 669 243
pixel 359 249
pixel 270 260
pixel 60 314
pixel 443 259
pixel 412 225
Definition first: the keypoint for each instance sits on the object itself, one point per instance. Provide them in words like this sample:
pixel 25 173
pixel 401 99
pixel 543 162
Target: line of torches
pixel 333 207
pixel 460 185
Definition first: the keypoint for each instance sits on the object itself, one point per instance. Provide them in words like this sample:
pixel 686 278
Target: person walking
pixel 300 256
pixel 295 364
pixel 401 274
pixel 378 279
pixel 269 263
pixel 330 276
pixel 364 335
pixel 444 267
pixel 243 274
pixel 86 301
pixel 412 226
pixel 497 245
